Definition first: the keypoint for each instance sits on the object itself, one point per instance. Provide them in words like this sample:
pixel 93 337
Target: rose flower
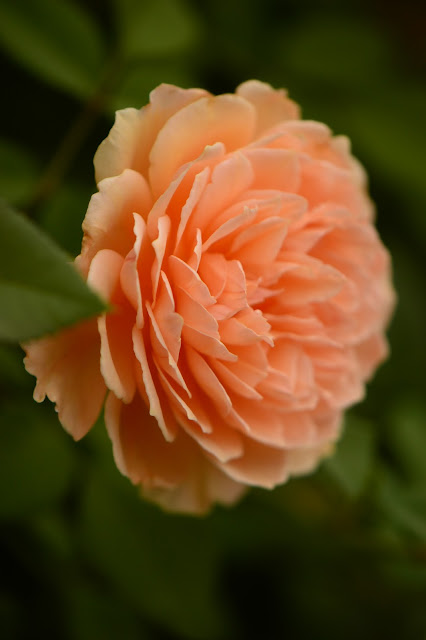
pixel 248 295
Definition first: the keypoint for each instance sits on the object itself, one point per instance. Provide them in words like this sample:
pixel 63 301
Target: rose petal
pixel 67 369
pixel 230 178
pixel 208 381
pixel 272 106
pixel 115 327
pixel 134 132
pixel 109 219
pixel 259 465
pixel 157 406
pixel 140 450
pixel 227 119
pixel 274 169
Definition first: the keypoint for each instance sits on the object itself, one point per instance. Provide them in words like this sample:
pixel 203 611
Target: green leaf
pixel 36 461
pixel 56 40
pixel 154 27
pixel 351 464
pixel 40 292
pixel 18 173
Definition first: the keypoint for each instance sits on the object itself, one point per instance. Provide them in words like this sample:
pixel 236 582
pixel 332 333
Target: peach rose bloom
pixel 248 291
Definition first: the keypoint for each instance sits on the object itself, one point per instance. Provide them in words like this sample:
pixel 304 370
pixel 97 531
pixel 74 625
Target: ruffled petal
pixel 130 140
pixel 175 475
pixel 109 219
pixel 272 106
pixel 227 119
pixel 115 326
pixel 67 369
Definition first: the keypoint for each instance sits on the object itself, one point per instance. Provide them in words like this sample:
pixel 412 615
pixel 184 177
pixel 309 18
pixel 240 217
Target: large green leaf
pixel 40 292
pixel 55 39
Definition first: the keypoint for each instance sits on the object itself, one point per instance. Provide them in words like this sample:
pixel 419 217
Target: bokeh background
pixel 339 554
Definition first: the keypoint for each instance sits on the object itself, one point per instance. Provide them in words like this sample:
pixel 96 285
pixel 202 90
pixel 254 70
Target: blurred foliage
pixel 339 554
pixel 55 40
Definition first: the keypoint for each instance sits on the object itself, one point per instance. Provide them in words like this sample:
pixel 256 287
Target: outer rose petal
pixel 115 328
pixel 272 107
pixel 226 119
pixel 109 219
pixel 67 370
pixel 142 453
pixel 204 486
pixel 260 465
pixel 117 151
pixel 133 134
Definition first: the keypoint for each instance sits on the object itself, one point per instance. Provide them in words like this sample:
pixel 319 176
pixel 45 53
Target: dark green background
pixel 341 554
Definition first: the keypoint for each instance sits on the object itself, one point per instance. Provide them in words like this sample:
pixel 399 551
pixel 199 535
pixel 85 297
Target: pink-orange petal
pixel 235 222
pixel 160 246
pixel 226 118
pixel 117 151
pixel 162 356
pixel 187 279
pixel 140 286
pixel 274 169
pixel 67 369
pixel 246 328
pixel 140 449
pixel 157 407
pixel 208 381
pixel 259 243
pixel 233 382
pixel 134 132
pixel 109 219
pixel 203 486
pixel 197 189
pixel 370 353
pixel 204 425
pixel 169 322
pixel 272 106
pixel 311 281
pixel 115 327
pixel 259 465
pixel 175 475
pixel 304 460
pixel 207 344
pixel 230 178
